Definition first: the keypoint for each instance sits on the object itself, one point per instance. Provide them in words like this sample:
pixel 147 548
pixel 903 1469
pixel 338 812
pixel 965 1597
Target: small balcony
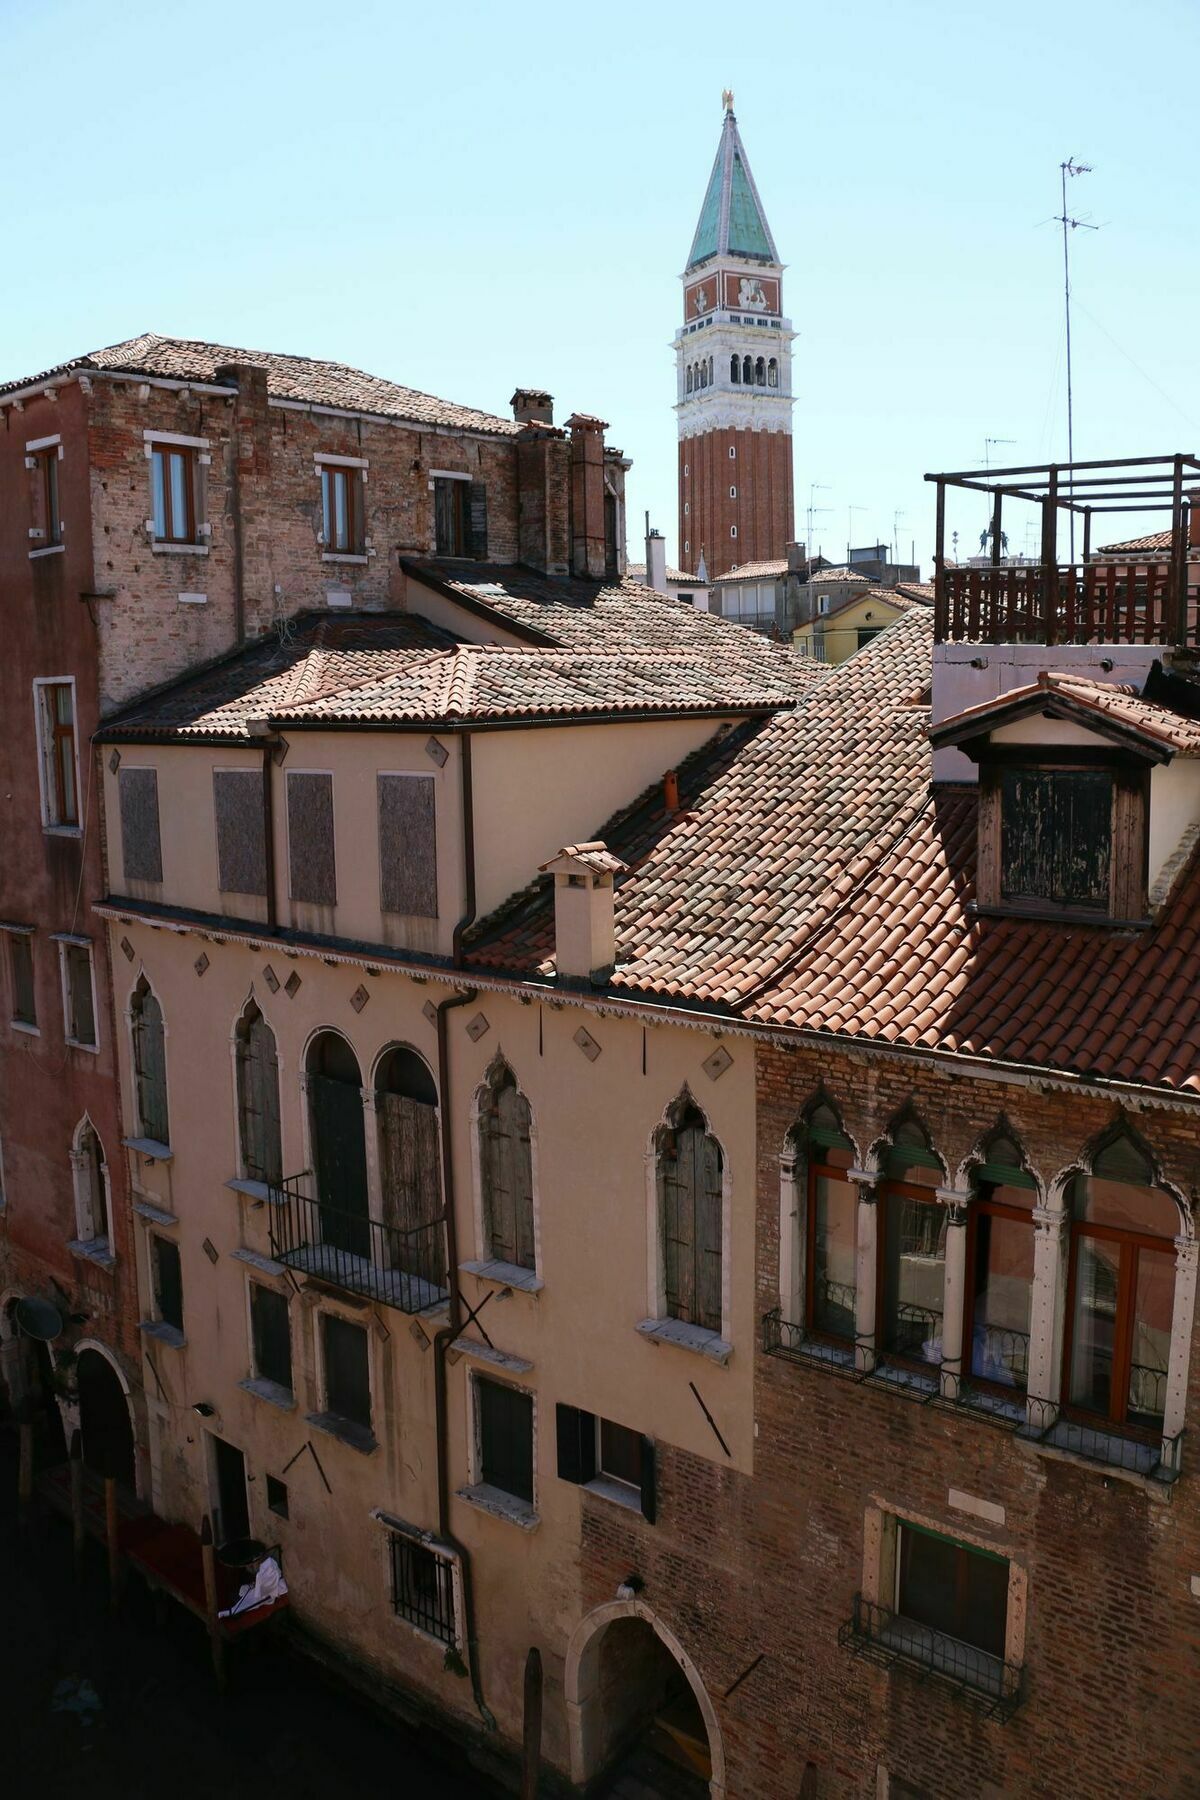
pixel 988 1683
pixel 1146 593
pixel 402 1268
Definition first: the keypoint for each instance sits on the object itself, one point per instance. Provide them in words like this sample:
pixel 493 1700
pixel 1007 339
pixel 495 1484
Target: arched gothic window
pixel 735 369
pixel 150 1064
pixel 258 1098
pixel 91 1188
pixel 912 1232
pixel 689 378
pixel 506 1170
pixel 1120 1289
pixel 999 1290
pixel 339 1150
pixel 409 1166
pixel 690 1177
pixel 711 371
pixel 747 370
pixel 830 1216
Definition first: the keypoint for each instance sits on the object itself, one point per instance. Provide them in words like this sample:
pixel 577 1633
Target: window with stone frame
pixel 167 1274
pixel 271 1336
pixel 343 525
pixel 258 1098
pixel 689 1169
pixel 173 493
pixel 504 1430
pixel 149 1064
pixel 58 751
pixel 91 1189
pixel 911 1227
pixel 460 517
pixel 79 999
pixel 506 1170
pixel 22 988
pixel 410 1174
pixel 830 1216
pixel 346 1357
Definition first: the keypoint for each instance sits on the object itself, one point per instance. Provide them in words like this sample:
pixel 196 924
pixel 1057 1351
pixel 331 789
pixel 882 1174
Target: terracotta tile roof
pixel 1088 701
pixel 595 856
pixel 771 819
pixel 917 590
pixel 836 575
pixel 637 572
pixel 618 615
pixel 303 378
pixel 756 571
pixel 1153 540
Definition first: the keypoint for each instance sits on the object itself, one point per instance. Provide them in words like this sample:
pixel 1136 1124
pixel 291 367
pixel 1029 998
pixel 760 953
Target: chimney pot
pixel 671 791
pixel 656 561
pixel 584 923
pixel 533 403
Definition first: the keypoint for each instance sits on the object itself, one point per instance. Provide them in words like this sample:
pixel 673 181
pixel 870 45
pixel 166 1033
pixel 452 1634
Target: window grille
pixel 423 1587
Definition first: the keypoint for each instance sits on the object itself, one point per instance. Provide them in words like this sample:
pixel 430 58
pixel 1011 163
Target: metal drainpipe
pixel 269 834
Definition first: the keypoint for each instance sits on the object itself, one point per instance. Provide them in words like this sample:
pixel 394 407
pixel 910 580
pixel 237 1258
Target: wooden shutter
pixel 410 1177
pixel 168 1282
pixel 141 844
pixel 311 870
pixel 258 1102
pixel 347 1371
pixel 241 839
pixel 576 1443
pixel 506 1438
pixel 408 845
pixel 649 1491
pixel 272 1335
pixel 476 521
pixel 150 1059
pixel 507 1165
pixel 676 1211
pixel 708 1234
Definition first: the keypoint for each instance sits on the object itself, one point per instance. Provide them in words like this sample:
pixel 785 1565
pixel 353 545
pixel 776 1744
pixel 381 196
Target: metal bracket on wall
pixel 712 1422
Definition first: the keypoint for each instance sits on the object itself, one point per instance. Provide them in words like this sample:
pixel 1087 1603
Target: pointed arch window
pixel 735 369
pixel 747 371
pixel 258 1099
pixel 911 1233
pixel 1120 1289
pixel 409 1168
pixel 998 1303
pixel 689 379
pixel 339 1151
pixel 506 1170
pixel 831 1219
pixel 150 1064
pixel 690 1180
pixel 91 1189
pixel 760 372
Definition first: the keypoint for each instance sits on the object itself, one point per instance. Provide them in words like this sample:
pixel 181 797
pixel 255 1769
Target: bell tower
pixel 733 356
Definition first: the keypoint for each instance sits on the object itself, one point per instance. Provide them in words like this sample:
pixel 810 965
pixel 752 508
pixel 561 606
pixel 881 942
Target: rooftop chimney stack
pixel 585 936
pixel 532 404
pixel 589 557
pixel 656 559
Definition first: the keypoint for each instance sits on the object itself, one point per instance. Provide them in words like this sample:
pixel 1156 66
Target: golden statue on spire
pixel 727 99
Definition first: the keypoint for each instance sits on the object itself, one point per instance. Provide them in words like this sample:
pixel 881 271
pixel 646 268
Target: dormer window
pixel 1056 838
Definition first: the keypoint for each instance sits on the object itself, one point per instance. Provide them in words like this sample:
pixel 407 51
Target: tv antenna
pixel 1072 168
pixel 987 464
pixel 814 487
pixel 897 515
pixel 850 512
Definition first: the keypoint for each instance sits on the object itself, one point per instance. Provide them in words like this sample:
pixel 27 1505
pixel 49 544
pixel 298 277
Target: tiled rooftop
pixel 757 571
pixel 1090 702
pixel 303 378
pixel 1153 540
pixel 845 573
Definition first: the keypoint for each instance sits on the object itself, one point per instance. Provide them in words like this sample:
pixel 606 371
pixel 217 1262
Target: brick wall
pixel 762 510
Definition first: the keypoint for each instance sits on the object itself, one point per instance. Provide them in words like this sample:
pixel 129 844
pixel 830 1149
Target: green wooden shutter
pixel 676 1205
pixel 708 1233
pixel 150 1056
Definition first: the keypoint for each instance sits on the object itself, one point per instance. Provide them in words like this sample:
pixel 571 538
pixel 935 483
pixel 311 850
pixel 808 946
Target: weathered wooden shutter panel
pixel 408 845
pixel 507 1164
pixel 1056 836
pixel 649 1489
pixel 311 868
pixel 708 1235
pixel 151 1059
pixel 258 1103
pixel 272 1335
pixel 241 840
pixel 347 1370
pixel 477 520
pixel 677 1212
pixel 411 1182
pixel 141 843
pixel 576 1443
pixel 340 1159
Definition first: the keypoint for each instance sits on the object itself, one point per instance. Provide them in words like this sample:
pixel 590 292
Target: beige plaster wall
pixel 593 1123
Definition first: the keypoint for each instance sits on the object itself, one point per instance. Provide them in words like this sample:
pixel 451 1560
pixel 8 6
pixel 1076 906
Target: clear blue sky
pixel 469 197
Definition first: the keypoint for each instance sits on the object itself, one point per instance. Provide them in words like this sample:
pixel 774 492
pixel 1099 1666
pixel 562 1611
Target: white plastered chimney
pixel 584 924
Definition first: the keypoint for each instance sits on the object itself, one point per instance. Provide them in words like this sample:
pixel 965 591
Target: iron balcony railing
pixel 885 1637
pixel 404 1268
pixel 1155 1458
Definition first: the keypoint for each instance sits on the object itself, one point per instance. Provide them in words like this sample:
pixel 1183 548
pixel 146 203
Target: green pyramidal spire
pixel 732 217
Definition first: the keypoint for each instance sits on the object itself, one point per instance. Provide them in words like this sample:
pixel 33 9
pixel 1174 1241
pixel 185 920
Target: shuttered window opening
pixel 271 1333
pixel 168 1282
pixel 591 1448
pixel 141 843
pixel 506 1170
pixel 423 1587
pixel 408 845
pixel 311 867
pixel 241 831
pixel 410 1165
pixel 689 1172
pixel 20 967
pixel 505 1438
pixel 80 1010
pixel 258 1099
pixel 460 526
pixel 347 1370
pixel 1056 836
pixel 150 1064
pixel 56 725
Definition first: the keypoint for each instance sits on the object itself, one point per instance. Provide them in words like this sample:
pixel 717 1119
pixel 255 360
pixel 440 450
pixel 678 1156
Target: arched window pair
pixel 689 1178
pixel 400 1255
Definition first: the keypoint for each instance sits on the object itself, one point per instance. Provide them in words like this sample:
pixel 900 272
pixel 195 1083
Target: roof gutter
pixel 57 378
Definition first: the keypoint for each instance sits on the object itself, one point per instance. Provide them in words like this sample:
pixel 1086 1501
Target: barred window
pixel 423 1587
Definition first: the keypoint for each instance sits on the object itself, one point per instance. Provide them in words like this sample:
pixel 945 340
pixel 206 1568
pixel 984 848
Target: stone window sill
pixel 615 1491
pixel 265 1265
pixel 67 831
pixel 78 1044
pixel 343 556
pixel 95 1250
pixel 254 1190
pixel 498 1359
pixel 24 1026
pixel 157 1215
pixel 178 549
pixel 505 1275
pixel 273 1392
pixel 162 1333
pixel 48 550
pixel 354 1436
pixel 150 1148
pixel 688 1337
pixel 500 1505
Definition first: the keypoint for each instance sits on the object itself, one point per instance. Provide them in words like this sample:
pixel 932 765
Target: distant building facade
pixel 733 377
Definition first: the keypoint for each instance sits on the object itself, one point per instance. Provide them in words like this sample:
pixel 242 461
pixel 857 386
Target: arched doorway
pixel 104 1419
pixel 339 1151
pixel 636 1704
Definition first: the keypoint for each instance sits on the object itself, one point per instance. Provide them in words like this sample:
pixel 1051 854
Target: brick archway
pixel 581 1690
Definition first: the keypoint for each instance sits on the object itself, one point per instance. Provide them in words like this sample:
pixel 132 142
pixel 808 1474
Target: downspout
pixel 269 833
pixel 445 1337
pixel 235 483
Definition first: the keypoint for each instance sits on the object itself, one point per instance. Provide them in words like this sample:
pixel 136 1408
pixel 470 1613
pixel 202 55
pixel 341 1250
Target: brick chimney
pixel 585 935
pixel 533 403
pixel 588 555
pixel 544 498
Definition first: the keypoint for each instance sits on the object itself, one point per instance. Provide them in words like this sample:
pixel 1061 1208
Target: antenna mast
pixel 1070 167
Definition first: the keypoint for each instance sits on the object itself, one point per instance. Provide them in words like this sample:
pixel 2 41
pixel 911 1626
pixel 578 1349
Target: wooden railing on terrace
pixel 1089 603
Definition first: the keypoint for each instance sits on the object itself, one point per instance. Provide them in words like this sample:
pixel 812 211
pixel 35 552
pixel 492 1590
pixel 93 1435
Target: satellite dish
pixel 38 1319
